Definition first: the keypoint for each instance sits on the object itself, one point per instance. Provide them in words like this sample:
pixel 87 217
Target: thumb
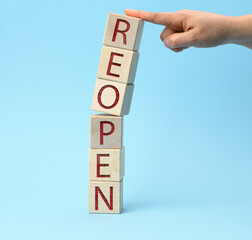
pixel 180 40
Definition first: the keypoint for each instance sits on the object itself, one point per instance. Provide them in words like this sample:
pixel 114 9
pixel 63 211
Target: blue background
pixel 188 137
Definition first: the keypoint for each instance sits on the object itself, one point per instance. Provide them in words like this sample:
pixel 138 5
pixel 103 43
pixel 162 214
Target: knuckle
pixel 155 16
pixel 185 11
pixel 163 34
pixel 162 37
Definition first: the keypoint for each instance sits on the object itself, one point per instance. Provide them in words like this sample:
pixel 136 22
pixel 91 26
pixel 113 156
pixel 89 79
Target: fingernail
pixel 167 43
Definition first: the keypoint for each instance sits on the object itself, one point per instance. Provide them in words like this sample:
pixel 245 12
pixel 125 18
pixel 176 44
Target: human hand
pixel 189 28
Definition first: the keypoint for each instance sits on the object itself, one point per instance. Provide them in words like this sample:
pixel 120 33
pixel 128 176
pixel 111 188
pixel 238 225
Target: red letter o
pixel 100 94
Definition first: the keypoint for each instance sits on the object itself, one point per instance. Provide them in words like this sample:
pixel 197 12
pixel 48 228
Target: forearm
pixel 241 31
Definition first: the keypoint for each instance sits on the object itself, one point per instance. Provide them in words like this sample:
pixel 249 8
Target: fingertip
pixel 130 12
pixel 126 11
pixel 178 50
pixel 174 49
pixel 167 42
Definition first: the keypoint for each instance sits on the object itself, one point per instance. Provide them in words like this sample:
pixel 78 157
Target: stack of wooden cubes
pixel 112 95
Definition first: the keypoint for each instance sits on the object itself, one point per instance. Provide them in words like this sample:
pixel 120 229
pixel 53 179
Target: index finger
pixel 162 18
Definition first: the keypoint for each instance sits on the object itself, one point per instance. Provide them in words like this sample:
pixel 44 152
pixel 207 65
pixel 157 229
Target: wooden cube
pixel 118 65
pixel 105 197
pixel 123 32
pixel 106 131
pixel 112 97
pixel 106 164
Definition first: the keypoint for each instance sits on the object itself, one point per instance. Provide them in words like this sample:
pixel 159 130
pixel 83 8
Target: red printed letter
pixel 113 63
pixel 121 31
pixel 102 133
pixel 98 190
pixel 99 165
pixel 100 95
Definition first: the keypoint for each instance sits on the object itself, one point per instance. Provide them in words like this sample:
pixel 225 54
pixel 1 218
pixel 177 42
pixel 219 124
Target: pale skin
pixel 187 28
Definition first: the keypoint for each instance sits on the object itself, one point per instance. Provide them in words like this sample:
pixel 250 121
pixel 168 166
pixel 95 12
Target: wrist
pixel 240 30
pixel 232 29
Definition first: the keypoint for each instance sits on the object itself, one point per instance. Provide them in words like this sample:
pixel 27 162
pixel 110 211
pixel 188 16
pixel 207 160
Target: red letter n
pixel 109 205
pixel 118 21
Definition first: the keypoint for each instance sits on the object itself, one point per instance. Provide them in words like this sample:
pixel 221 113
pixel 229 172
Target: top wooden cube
pixel 123 32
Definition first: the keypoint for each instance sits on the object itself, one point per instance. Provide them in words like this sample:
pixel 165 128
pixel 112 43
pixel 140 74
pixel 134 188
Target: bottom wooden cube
pixel 105 197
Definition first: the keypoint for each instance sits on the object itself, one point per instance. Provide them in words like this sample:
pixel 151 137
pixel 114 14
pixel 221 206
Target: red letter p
pixel 102 133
